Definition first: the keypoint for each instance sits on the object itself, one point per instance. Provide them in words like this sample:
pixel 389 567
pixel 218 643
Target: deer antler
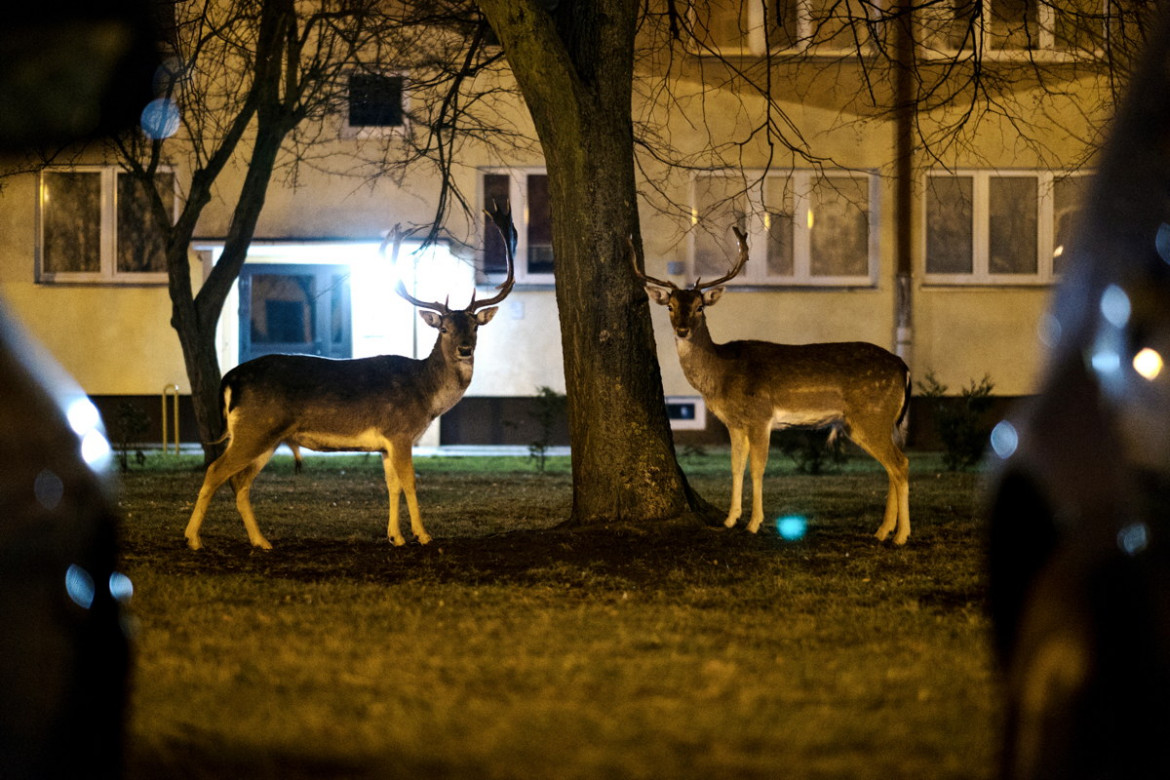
pixel 501 216
pixel 735 269
pixel 638 272
pixel 396 235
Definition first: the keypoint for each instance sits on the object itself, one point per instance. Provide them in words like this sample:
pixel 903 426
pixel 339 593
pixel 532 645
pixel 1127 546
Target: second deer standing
pixel 857 388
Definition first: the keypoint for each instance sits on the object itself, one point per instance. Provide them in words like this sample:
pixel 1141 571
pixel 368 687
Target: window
pixel 1009 28
pixel 996 227
pixel 527 192
pixel 804 227
pixel 736 27
pixel 686 412
pixel 375 105
pixel 1003 29
pixel 95 225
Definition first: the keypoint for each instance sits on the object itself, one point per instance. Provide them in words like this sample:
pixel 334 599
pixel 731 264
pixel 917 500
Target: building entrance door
pixel 295 308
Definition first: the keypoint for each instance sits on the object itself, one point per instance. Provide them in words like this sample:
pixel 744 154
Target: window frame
pixel 755 273
pixel 755 39
pixel 985 44
pixel 108 272
pixel 518 198
pixel 981 274
pixel 359 132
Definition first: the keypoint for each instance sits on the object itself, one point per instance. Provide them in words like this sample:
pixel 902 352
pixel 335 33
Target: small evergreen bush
pixel 961 423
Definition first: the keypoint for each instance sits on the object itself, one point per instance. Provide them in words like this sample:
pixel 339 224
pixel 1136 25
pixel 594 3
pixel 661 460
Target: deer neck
pixel 449 377
pixel 697 356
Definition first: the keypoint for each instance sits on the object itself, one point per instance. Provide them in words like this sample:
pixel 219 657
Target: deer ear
pixel 659 295
pixel 712 295
pixel 485 316
pixel 432 318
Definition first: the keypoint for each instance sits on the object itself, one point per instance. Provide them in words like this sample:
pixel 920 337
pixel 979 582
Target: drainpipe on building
pixel 904 115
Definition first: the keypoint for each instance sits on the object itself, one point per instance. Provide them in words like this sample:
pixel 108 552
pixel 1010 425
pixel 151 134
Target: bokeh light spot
pixel 792 527
pixel 95 449
pixel 121 588
pixel 160 118
pixel 1162 242
pixel 1148 363
pixel 79 586
pixel 1004 439
pixel 1134 538
pixel 1106 361
pixel 1115 306
pixel 49 489
pixel 83 416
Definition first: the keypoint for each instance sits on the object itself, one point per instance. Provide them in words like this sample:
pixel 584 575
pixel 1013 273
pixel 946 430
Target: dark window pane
pixel 782 19
pixel 838 24
pixel 963 32
pixel 780 226
pixel 338 310
pixel 282 309
pixel 721 24
pixel 72 215
pixel 838 224
pixel 1013 230
pixel 375 100
pixel 1015 24
pixel 1067 196
pixel 949 225
pixel 495 193
pixel 720 202
pixel 141 244
pixel 540 251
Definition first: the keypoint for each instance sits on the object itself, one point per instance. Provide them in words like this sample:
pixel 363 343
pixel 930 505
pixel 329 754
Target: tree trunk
pixel 195 316
pixel 576 73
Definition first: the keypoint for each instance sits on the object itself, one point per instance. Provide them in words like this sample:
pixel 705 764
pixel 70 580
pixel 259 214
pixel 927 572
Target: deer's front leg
pixel 403 466
pixel 739 453
pixel 393 488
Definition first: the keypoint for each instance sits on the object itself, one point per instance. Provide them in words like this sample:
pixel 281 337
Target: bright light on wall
pixel 383 323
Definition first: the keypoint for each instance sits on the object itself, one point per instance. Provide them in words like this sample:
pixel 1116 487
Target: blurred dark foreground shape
pixel 1079 520
pixel 69 71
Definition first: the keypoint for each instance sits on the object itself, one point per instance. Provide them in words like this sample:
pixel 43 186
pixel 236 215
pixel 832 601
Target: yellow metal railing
pixel 173 392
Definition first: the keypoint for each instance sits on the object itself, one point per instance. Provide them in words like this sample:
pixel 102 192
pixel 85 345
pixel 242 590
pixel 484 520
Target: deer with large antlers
pixel 377 404
pixel 854 387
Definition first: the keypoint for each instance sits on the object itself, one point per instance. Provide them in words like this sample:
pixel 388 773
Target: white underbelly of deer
pixel 805 418
pixel 370 440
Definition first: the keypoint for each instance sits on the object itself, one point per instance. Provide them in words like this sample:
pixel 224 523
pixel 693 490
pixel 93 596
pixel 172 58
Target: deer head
pixel 686 306
pixel 458 327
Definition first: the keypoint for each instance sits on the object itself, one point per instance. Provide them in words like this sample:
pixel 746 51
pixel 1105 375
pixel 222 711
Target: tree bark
pixel 576 74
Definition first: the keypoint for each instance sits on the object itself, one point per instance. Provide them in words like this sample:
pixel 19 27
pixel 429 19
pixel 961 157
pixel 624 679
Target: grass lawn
pixel 510 648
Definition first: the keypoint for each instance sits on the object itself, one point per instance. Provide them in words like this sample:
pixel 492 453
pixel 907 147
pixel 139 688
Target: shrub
pixel 549 411
pixel 814 451
pixel 128 425
pixel 961 423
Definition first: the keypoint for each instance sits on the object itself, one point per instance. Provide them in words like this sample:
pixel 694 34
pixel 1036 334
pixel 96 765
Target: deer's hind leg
pixel 758 440
pixel 237 458
pixel 897 466
pixel 242 483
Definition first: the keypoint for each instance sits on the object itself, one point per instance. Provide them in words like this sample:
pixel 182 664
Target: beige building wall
pixel 113 340
pixel 117 339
